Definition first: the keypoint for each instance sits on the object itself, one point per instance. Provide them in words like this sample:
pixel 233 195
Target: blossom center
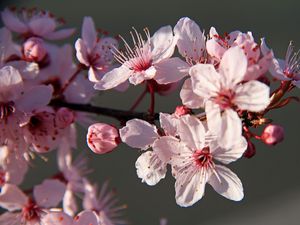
pixel 31 211
pixel 203 158
pixel 225 99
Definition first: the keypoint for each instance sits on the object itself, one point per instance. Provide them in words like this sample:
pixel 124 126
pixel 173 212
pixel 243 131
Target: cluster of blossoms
pixel 45 89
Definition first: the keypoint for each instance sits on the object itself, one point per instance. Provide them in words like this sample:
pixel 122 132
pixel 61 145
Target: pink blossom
pixel 34 23
pixel 192 158
pixel 102 138
pixel 148 59
pixel 34 49
pixel 224 94
pixel 272 134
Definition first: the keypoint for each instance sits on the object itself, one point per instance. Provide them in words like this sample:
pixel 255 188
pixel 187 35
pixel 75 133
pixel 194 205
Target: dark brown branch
pixel 121 115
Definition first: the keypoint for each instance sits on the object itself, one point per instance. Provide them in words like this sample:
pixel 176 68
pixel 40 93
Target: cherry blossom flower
pixel 287 69
pixel 148 59
pixel 94 52
pixel 193 160
pixel 224 94
pixel 34 23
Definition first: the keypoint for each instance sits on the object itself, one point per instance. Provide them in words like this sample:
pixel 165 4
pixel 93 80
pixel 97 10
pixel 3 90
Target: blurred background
pixel 271 179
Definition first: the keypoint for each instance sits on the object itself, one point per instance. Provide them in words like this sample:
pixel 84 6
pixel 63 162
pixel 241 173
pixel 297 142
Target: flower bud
pixel 181 110
pixel 64 117
pixel 102 138
pixel 34 49
pixel 251 150
pixel 272 134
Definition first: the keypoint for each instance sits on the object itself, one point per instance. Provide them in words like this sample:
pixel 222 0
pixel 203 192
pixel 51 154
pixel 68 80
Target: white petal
pixel 150 168
pixel 12 198
pixel 253 96
pixel 168 123
pixel 189 98
pixel 113 78
pixel 231 154
pixel 191 132
pixel 88 33
pixel 69 203
pixel 42 26
pixel 190 39
pixel 214 119
pixel 49 193
pixel 9 76
pixel 214 49
pixel 60 34
pixel 170 70
pixel 205 80
pixel 86 218
pixel 162 43
pixel 12 22
pixel 233 67
pixel 139 134
pixel 56 218
pixel 227 183
pixel 189 187
pixel 81 52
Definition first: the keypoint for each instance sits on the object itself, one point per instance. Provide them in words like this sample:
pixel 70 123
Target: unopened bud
pixel 251 150
pixel 34 49
pixel 181 110
pixel 64 117
pixel 272 134
pixel 102 138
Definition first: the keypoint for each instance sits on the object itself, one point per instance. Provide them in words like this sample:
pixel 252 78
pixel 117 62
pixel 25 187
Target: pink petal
pixel 105 49
pixel 88 33
pixel 81 52
pixel 170 70
pixel 227 184
pixel 191 132
pixel 69 203
pixel 150 168
pixel 168 123
pixel 190 39
pixel 12 198
pixel 50 193
pixel 86 218
pixel 113 78
pixel 205 80
pixel 252 95
pixel 163 44
pixel 214 119
pixel 56 218
pixel 60 34
pixel 42 26
pixel 189 98
pixel 12 22
pixel 233 67
pixel 139 134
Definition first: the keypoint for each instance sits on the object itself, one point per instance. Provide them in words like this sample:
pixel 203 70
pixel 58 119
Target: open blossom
pixel 223 94
pixel 34 23
pixel 95 52
pixel 287 69
pixel 148 59
pixel 192 158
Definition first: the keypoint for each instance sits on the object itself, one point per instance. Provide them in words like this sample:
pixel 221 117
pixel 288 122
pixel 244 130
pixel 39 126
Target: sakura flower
pixel 94 52
pixel 27 211
pixel 104 204
pixel 224 94
pixel 193 160
pixel 148 59
pixel 36 23
pixel 287 69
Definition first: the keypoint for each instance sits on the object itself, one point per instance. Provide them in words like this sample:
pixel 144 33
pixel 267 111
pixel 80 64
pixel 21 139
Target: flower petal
pixel 12 198
pixel 189 98
pixel 56 218
pixel 139 134
pixel 42 26
pixel 86 218
pixel 60 34
pixel 227 184
pixel 253 96
pixel 88 33
pixel 168 123
pixel 190 39
pixel 170 70
pixel 150 168
pixel 12 22
pixel 81 52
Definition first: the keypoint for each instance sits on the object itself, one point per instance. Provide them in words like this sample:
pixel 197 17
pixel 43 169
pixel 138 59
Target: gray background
pixel 271 179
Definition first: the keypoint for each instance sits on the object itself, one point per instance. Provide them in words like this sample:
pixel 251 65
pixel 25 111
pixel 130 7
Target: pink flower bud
pixel 64 117
pixel 34 49
pixel 272 134
pixel 251 150
pixel 181 110
pixel 102 138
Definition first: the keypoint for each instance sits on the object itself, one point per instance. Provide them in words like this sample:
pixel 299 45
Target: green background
pixel 271 179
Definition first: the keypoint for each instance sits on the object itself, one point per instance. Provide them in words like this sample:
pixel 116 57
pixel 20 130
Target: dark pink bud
pixel 251 150
pixel 181 110
pixel 34 49
pixel 272 134
pixel 64 117
pixel 102 138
